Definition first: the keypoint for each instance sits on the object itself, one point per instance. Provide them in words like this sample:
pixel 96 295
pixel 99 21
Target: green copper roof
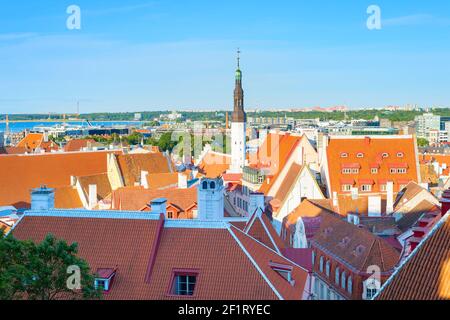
pixel 238 74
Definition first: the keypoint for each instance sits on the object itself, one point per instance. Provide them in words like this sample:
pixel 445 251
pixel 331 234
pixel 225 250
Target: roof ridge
pixel 437 227
pixel 269 248
pixel 255 264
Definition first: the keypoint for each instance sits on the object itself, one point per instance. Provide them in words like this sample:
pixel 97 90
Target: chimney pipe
pixel 93 200
pixel 182 180
pixel 144 181
pixel 390 197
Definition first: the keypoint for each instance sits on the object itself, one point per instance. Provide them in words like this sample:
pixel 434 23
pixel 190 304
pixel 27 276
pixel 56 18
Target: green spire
pixel 238 70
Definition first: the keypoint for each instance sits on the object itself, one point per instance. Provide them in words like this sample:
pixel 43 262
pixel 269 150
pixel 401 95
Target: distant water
pixel 20 126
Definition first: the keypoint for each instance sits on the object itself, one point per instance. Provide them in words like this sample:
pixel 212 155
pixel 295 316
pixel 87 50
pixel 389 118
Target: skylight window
pixel 184 283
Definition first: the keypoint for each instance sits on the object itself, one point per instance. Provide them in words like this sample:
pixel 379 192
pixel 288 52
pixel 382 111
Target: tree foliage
pixel 40 271
pixel 422 142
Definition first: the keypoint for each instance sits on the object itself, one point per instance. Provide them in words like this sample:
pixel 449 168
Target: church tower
pixel 238 125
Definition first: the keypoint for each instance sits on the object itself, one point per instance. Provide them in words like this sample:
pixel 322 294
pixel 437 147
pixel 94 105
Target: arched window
pixel 343 280
pixel 327 268
pixel 205 185
pixel 337 276
pixel 360 155
pixel 313 258
pixel 321 264
pixel 212 185
pixel 344 155
pixel 350 285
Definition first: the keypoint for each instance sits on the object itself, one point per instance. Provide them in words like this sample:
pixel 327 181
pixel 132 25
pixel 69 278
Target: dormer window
pixel 104 279
pixel 344 155
pixel 360 155
pixel 285 271
pixel 183 283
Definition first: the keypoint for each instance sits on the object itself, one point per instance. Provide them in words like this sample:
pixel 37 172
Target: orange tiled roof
pixel 31 141
pixel 230 264
pixel 100 180
pixel 67 198
pixel 289 182
pixel 400 149
pixel 214 164
pixel 426 273
pixel 131 165
pixel 21 173
pixel 162 180
pixel 275 152
pixel 77 144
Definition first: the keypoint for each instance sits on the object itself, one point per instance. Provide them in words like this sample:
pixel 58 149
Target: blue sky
pixel 180 54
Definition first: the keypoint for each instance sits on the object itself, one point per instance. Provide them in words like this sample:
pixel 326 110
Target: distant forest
pixel 220 115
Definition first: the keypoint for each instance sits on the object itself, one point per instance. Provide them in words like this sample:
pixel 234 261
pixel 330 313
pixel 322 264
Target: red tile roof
pixel 138 198
pixel 77 144
pixel 373 250
pixel 229 264
pixel 425 275
pixel 260 228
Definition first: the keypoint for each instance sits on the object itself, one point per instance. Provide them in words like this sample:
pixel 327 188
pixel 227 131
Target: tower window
pixel 205 185
pixel 212 185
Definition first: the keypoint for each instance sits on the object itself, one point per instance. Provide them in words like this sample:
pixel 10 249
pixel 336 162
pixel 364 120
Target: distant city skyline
pixel 180 55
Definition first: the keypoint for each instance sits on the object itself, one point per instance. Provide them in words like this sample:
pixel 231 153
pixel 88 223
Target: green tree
pixel 40 271
pixel 422 142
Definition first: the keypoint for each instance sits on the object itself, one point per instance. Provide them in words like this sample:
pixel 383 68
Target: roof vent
pixel 359 250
